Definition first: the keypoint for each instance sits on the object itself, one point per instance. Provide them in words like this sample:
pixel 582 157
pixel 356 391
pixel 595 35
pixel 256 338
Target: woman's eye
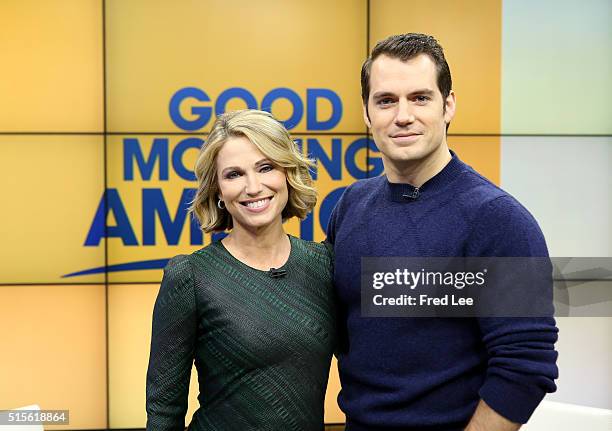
pixel 266 168
pixel 232 174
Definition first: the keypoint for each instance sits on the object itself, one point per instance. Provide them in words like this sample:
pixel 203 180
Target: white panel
pixel 556 67
pixel 585 355
pixel 566 183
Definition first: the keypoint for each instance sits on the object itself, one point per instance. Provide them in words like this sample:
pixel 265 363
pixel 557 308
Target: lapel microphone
pixel 277 273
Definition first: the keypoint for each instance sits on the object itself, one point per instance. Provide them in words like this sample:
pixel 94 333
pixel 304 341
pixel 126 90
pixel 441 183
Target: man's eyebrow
pixel 419 91
pixel 423 91
pixel 382 94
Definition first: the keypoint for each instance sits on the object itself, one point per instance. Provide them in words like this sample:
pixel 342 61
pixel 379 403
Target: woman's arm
pixel 172 348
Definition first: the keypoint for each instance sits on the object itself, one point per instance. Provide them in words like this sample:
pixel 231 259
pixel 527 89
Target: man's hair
pixel 273 140
pixel 404 47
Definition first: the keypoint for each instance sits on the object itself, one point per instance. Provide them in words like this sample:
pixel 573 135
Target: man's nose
pixel 404 114
pixel 253 185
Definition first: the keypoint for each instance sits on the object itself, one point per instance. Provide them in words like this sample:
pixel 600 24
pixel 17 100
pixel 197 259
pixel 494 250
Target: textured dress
pixel 262 345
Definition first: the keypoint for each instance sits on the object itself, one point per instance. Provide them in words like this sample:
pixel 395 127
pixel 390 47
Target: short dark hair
pixel 405 47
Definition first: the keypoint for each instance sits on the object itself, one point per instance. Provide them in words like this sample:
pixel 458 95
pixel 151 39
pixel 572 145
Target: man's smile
pixel 405 137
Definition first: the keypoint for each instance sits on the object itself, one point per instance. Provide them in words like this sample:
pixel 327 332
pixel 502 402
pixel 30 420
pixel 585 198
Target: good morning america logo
pixel 201 107
pixel 154 159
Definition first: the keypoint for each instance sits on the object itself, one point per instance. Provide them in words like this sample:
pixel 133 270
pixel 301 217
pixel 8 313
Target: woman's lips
pixel 257 206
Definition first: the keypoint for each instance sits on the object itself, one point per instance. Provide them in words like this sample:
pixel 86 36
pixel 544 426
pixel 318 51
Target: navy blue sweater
pixel 429 373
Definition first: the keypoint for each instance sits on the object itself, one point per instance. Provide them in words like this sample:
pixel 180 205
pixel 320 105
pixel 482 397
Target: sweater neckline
pixel 405 193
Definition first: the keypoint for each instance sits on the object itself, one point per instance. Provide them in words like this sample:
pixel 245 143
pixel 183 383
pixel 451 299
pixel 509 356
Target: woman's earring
pixel 219 202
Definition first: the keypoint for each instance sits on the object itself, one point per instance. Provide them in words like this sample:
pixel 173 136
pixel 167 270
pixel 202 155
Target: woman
pixel 254 310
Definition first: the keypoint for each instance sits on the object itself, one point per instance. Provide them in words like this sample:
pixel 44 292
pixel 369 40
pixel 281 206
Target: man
pixel 430 373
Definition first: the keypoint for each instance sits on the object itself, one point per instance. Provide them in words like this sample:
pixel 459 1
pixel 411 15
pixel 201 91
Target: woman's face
pixel 253 189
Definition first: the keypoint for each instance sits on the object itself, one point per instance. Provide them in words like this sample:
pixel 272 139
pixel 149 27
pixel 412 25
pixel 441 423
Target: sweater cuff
pixel 513 401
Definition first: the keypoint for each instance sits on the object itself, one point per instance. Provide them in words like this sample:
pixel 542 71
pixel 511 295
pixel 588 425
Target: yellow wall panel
pixel 130 310
pixel 51 186
pixel 470 33
pixel 51 75
pixel 215 45
pixel 54 351
pixel 333 414
pixel 483 153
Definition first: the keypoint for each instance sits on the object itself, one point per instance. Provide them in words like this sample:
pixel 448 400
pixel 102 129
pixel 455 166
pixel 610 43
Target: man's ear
pixel 450 105
pixel 366 116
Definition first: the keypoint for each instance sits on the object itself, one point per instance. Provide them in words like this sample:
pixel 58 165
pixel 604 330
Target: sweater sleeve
pixel 522 360
pixel 172 348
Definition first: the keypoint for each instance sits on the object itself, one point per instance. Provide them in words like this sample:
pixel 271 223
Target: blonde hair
pixel 273 140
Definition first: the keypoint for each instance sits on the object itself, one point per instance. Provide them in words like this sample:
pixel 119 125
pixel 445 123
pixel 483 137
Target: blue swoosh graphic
pixel 129 266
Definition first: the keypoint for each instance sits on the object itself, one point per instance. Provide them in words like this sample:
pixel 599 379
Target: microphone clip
pixel 277 273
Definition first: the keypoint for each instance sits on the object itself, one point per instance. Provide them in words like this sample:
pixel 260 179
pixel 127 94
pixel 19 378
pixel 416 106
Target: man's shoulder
pixel 477 189
pixel 357 198
pixel 497 215
pixel 363 193
pixel 360 193
pixel 365 185
pixel 480 194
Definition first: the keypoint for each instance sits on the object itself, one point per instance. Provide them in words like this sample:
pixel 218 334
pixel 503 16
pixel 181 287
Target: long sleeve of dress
pixel 172 348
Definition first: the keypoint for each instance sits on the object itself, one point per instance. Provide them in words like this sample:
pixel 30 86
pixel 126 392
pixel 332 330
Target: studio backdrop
pixel 104 105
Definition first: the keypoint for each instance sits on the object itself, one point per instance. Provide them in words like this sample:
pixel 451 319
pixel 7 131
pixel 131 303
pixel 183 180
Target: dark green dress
pixel 262 345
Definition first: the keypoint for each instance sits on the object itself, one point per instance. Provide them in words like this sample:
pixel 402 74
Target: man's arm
pixel 487 419
pixel 521 366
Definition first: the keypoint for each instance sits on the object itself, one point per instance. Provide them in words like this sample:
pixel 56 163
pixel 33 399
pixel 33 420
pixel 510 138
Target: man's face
pixel 406 111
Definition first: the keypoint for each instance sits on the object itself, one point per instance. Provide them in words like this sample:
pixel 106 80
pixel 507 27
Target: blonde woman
pixel 254 310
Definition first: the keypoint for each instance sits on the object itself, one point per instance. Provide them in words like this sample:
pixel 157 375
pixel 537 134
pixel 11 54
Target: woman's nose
pixel 253 185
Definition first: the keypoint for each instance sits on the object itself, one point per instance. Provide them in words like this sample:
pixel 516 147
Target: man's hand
pixel 487 419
